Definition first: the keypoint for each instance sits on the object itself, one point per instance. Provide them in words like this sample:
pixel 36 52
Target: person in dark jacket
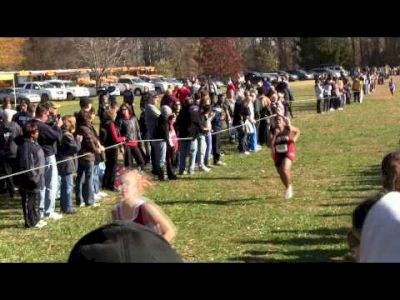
pixel 151 117
pixel 129 98
pixel 162 131
pixel 90 146
pixel 30 155
pixel 22 116
pixel 85 104
pixel 183 124
pixel 216 125
pixel 67 150
pixel 9 130
pixel 130 129
pixel 145 97
pixel 143 134
pixel 168 98
pixel 102 106
pixel 240 114
pixel 49 137
pixel 110 136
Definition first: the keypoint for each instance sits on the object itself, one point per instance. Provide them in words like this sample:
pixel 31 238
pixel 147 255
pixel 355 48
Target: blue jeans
pixel 48 193
pixel 84 183
pixel 207 155
pixel 66 193
pixel 252 140
pixel 97 178
pixel 184 151
pixel 160 153
pixel 197 152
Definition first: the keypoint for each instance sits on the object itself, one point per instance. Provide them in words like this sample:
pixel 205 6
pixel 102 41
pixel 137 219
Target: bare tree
pixel 100 54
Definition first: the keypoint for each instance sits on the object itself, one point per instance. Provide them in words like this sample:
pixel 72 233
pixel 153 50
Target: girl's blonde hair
pixel 69 123
pixel 143 182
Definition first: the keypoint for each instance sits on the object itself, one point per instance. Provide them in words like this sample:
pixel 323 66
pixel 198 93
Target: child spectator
pixel 30 155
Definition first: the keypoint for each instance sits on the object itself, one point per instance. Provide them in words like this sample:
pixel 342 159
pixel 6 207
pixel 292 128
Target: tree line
pixel 183 57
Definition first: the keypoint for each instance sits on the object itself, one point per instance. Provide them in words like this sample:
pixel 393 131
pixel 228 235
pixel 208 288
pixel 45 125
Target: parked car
pixel 20 94
pixel 45 90
pixel 174 82
pixel 91 88
pixel 160 85
pixel 292 77
pixel 73 90
pixel 326 71
pixel 135 84
pixel 338 69
pixel 271 75
pixel 111 90
pixel 254 77
pixel 302 75
pixel 219 83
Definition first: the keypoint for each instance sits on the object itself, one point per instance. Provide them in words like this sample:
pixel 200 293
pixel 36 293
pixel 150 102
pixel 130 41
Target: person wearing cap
pixel 137 209
pixel 123 242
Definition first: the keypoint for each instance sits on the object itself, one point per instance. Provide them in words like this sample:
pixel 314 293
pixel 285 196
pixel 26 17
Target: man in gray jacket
pixel 151 116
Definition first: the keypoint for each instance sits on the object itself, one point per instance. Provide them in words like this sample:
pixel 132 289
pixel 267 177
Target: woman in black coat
pixel 67 150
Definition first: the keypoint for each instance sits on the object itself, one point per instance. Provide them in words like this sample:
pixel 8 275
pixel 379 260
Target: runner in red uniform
pixel 283 138
pixel 133 207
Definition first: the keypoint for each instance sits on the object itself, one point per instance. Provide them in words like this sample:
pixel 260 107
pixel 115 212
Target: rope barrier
pixel 117 145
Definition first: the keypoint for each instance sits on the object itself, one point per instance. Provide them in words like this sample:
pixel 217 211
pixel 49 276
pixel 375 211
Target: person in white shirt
pixel 327 95
pixel 319 94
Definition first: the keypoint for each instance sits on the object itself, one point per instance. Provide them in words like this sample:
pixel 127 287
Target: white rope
pixel 141 141
pixel 117 145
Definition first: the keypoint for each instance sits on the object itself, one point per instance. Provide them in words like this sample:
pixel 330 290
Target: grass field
pixel 237 213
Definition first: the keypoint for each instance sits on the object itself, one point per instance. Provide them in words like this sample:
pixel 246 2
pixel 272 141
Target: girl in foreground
pixel 134 207
pixel 282 140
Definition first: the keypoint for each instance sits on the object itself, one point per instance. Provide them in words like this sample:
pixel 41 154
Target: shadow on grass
pixel 342 204
pixel 217 202
pixel 214 178
pixel 334 215
pixel 359 180
pixel 10 212
pixel 323 237
pixel 296 256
